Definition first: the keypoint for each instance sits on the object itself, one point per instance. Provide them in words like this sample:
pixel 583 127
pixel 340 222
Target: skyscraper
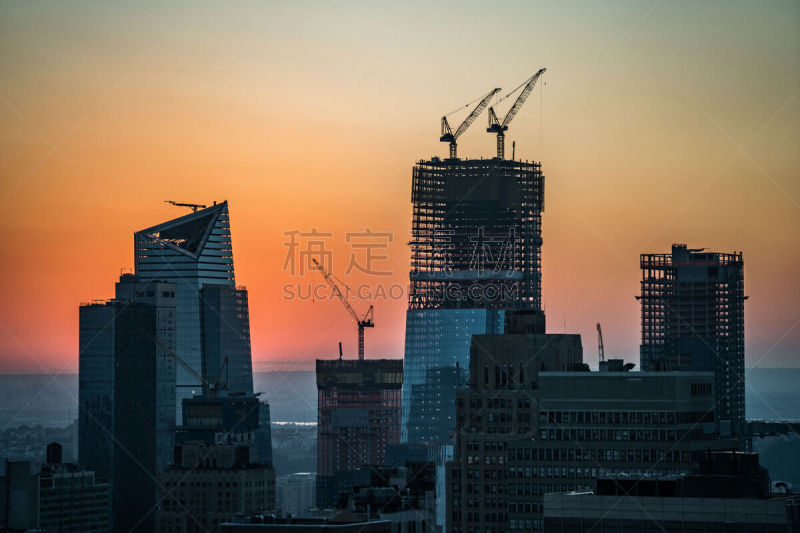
pixel 127 395
pixel 693 319
pixel 475 252
pixel 194 252
pixel 358 416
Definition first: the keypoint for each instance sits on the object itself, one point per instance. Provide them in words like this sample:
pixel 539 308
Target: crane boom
pixel 194 373
pixel 335 288
pixel 193 207
pixel 450 137
pixel 495 126
pixel 367 321
pixel 219 376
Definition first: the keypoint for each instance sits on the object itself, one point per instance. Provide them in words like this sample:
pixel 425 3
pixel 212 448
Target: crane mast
pixel 367 321
pixel 498 127
pixel 600 349
pixel 447 134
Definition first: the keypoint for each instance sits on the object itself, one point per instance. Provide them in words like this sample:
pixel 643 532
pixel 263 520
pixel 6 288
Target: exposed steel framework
pixel 476 234
pixel 692 305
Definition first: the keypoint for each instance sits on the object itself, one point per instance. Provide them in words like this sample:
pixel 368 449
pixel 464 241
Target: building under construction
pixel 475 252
pixel 358 415
pixel 476 234
pixel 693 319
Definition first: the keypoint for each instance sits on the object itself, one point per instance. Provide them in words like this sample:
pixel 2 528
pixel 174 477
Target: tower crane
pixel 600 350
pixel 495 126
pixel 367 321
pixel 447 134
pixel 193 207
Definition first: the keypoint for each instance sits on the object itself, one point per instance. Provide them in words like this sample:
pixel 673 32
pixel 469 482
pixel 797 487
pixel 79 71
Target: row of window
pixel 489 445
pixel 609 417
pixel 596 454
pixel 639 435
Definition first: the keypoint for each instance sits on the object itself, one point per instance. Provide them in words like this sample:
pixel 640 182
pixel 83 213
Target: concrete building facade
pixel 295 493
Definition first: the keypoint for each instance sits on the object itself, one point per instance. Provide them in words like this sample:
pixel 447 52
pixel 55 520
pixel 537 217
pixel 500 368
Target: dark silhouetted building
pixel 693 319
pixel 209 485
pixel 731 493
pixel 127 395
pixel 53 496
pixel 397 499
pixel 535 420
pixel 228 418
pixel 358 416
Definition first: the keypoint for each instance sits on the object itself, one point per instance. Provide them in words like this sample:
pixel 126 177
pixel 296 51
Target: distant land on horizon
pixel 31 399
pixel 39 400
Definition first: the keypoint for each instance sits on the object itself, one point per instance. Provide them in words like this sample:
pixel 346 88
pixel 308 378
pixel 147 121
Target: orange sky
pixel 658 123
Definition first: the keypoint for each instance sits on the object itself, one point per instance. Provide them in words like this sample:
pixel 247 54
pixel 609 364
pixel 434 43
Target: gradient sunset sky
pixel 656 122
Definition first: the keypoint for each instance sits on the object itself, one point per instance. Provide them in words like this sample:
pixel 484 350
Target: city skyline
pixel 657 126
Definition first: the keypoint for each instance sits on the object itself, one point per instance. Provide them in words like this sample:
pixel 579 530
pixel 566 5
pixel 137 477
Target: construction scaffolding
pixel 476 234
pixel 692 305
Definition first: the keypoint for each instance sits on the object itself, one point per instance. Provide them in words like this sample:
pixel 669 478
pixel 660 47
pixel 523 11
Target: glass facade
pixel 438 338
pixel 190 251
pixel 226 335
pixel 96 387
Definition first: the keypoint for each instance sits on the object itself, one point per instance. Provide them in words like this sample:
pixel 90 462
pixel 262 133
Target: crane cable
pixel 521 85
pixel 459 108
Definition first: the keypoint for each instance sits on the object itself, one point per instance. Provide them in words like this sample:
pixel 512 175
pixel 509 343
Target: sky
pixel 656 123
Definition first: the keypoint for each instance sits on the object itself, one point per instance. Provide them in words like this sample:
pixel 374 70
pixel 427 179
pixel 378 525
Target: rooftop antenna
pixel 340 350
